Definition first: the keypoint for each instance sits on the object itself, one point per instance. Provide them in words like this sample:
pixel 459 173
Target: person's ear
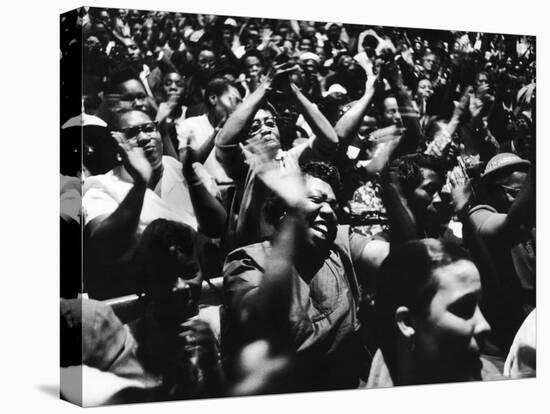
pixel 405 322
pixel 212 99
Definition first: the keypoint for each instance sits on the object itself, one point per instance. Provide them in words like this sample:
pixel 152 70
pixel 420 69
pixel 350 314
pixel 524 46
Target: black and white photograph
pixel 253 205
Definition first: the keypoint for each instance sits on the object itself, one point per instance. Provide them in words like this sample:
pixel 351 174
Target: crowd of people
pixel 357 201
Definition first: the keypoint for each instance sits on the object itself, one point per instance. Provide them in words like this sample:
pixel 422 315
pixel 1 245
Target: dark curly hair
pixel 407 279
pixel 408 170
pixel 274 208
pixel 324 171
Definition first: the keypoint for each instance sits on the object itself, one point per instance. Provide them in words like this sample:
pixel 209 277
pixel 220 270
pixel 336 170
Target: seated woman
pixel 253 121
pixel 429 325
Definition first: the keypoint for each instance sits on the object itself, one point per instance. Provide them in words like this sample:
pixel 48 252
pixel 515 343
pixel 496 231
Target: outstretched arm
pixel 506 227
pixel 228 152
pixel 348 125
pixel 326 140
pixel 232 131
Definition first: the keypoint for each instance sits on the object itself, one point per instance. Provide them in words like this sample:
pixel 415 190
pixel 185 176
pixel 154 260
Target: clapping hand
pixel 283 177
pixel 278 76
pixel 461 189
pixel 463 105
pixel 188 156
pixel 133 159
pixel 390 133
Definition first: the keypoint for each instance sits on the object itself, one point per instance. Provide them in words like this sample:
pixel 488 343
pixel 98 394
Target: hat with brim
pixel 502 162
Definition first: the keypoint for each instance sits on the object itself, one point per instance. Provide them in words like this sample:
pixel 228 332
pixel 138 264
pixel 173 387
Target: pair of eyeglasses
pixel 169 82
pixel 256 125
pixel 132 133
pixel 511 191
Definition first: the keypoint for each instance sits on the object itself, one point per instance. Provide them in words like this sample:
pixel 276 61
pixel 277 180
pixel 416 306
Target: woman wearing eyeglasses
pixel 255 121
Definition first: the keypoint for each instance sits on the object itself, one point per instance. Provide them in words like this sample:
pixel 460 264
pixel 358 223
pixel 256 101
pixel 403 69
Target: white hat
pixel 310 56
pixel 335 88
pixel 84 120
pixel 230 22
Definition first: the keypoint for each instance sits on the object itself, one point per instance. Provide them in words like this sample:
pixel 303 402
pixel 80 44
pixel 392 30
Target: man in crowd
pixel 147 186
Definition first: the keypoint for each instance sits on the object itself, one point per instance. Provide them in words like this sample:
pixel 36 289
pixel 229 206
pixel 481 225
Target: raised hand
pixel 371 83
pixel 463 105
pixel 461 189
pixel 188 156
pixel 279 73
pixel 387 134
pixel 283 177
pixel 133 159
pixel 266 35
pixel 407 56
pixel 439 144
pixel 475 104
pixel 483 90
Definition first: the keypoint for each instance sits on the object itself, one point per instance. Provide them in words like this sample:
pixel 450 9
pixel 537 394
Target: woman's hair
pixel 407 279
pixel 252 53
pixel 417 82
pixel 325 172
pixel 408 170
pixel 274 207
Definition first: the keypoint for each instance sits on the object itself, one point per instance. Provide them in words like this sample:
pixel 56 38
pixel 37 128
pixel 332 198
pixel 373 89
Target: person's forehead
pixel 513 177
pixel 131 86
pixel 369 120
pixel 429 176
pixel 424 83
pixel 457 279
pixel 316 186
pixel 263 114
pixel 173 76
pixel 130 42
pixel 134 118
pixel 252 60
pixel 206 54
pixel 232 92
pixel 390 102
